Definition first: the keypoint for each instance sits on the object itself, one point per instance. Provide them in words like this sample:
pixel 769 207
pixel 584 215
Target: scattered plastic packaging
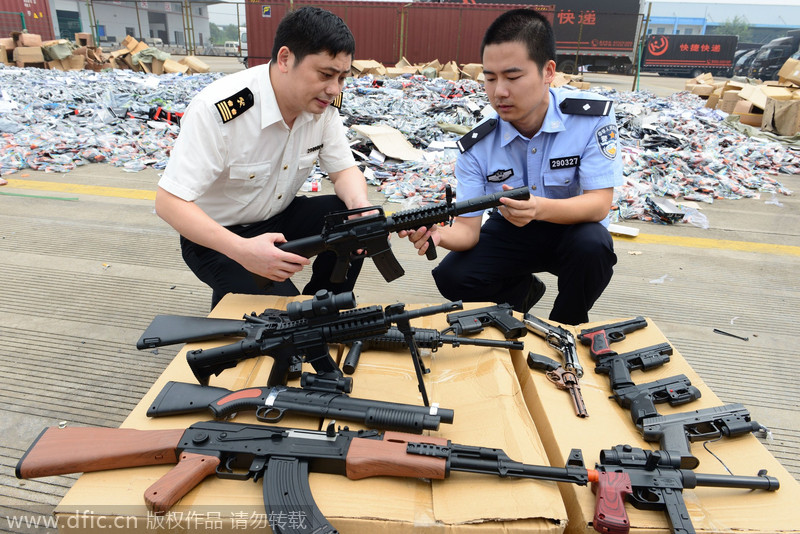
pixel 672 147
pixel 54 121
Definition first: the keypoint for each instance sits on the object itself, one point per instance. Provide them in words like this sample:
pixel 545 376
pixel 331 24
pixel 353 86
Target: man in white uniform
pixel 248 142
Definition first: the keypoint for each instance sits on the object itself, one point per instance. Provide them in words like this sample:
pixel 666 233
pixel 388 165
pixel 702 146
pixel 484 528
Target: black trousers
pixel 302 218
pixel 498 268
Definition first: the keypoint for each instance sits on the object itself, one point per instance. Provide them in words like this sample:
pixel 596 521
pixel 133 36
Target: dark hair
pixel 311 30
pixel 528 27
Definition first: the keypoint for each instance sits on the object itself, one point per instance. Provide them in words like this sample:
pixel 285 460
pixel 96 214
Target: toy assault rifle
pixel 283 457
pixel 344 234
pixel 304 330
pixel 271 403
pixel 425 338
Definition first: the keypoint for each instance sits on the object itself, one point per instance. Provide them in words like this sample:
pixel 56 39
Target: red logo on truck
pixel 657 46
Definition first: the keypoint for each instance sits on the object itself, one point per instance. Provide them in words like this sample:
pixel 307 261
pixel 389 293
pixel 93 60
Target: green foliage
pixel 738 26
pixel 220 34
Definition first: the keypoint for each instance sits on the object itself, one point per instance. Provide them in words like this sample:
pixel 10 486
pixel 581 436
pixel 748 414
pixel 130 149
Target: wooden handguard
pixel 190 471
pixel 372 457
pixel 58 451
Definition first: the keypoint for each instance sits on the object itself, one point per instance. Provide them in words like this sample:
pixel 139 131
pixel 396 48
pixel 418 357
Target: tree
pixel 738 26
pixel 220 34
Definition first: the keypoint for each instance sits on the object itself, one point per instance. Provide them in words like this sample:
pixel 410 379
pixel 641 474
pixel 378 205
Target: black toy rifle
pixel 283 457
pixel 425 338
pixel 345 235
pixel 305 330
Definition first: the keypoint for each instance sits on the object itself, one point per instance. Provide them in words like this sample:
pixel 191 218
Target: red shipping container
pixel 36 15
pixel 388 31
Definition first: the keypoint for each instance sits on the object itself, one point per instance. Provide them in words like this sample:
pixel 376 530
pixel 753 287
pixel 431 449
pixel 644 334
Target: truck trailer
pixel 689 55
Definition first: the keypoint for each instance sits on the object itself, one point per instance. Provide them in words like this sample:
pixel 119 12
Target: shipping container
pixel 31 15
pixel 388 31
pixel 590 35
pixel 689 55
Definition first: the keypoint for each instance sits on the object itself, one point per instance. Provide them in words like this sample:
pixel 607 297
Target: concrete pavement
pixel 84 269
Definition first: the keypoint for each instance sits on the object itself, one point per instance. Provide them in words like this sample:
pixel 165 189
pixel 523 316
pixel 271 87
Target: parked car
pixel 742 66
pixel 231 48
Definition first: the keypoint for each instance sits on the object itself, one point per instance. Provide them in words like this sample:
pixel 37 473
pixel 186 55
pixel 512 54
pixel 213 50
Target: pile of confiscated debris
pixel 403 130
pixel 24 49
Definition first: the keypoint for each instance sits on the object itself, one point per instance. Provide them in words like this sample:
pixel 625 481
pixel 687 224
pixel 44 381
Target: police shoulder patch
pixel 583 106
pixel 476 134
pixel 607 140
pixel 233 106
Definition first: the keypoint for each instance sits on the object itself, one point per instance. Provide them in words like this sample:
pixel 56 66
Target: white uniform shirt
pixel 246 166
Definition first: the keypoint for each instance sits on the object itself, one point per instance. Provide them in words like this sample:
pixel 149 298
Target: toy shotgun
pixel 271 403
pixel 345 234
pixel 284 457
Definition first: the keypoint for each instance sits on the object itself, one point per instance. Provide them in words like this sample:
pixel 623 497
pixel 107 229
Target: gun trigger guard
pixel 262 414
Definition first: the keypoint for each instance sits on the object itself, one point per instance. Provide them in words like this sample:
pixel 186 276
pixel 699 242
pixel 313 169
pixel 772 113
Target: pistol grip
pixel 611 489
pixel 288 495
pixel 191 469
pixel 431 252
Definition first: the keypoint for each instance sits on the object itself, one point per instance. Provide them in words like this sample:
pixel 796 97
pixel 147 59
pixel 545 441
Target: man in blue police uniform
pixel 562 144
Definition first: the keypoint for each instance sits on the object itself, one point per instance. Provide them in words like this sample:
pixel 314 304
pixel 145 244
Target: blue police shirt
pixel 569 154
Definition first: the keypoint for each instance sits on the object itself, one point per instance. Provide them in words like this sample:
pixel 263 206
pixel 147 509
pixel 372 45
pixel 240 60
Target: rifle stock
pixel 58 451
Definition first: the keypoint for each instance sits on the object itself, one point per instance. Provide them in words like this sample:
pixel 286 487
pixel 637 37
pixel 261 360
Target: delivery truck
pixel 689 55
pixel 771 57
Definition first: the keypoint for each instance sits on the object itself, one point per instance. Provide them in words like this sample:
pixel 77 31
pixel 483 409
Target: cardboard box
pixel 702 90
pixel 84 39
pixel 363 67
pixel 472 71
pixel 27 39
pixel 170 65
pixel 712 101
pixel 130 43
pixel 479 383
pixel 28 56
pixel 711 510
pixel 195 64
pixel 790 72
pixel 782 117
pixel 4 55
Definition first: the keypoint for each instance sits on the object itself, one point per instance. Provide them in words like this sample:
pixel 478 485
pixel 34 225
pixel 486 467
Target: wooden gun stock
pixel 388 457
pixel 58 451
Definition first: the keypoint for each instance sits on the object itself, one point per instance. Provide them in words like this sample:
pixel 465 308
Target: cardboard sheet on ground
pixel 714 510
pixel 480 385
pixel 390 141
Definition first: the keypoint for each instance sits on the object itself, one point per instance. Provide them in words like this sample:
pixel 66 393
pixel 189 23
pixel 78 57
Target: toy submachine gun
pixel 284 457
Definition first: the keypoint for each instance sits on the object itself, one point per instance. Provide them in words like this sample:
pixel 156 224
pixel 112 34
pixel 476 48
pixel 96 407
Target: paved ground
pixel 85 265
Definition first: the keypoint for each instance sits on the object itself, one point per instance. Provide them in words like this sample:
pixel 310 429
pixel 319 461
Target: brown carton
pixel 711 510
pixel 172 66
pixel 28 39
pixel 195 64
pixel 129 42
pixel 84 39
pixel 4 55
pixel 702 90
pixel 479 383
pixel 790 72
pixel 28 55
pixel 782 117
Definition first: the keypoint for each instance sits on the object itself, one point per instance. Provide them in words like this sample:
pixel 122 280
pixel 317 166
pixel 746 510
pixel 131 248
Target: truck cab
pixel 770 58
